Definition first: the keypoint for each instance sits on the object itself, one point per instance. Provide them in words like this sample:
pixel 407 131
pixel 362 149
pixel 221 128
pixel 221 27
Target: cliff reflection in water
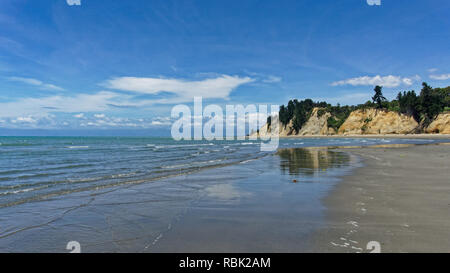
pixel 299 161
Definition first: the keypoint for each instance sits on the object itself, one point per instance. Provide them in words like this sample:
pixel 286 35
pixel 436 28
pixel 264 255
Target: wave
pixel 109 181
pixel 17 144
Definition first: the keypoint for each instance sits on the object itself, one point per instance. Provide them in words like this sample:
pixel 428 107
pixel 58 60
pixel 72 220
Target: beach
pixel 377 136
pixel 400 199
pixel 312 195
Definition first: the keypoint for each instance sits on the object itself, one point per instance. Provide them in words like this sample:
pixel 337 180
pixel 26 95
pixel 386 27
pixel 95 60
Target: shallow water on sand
pixel 232 198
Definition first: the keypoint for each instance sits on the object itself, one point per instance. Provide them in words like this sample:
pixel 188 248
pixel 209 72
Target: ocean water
pixel 122 194
pixel 35 168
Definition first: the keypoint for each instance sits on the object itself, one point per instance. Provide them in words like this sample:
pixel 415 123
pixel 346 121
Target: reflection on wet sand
pixel 310 161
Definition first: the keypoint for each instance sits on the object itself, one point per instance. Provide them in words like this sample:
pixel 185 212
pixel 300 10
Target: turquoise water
pixel 35 168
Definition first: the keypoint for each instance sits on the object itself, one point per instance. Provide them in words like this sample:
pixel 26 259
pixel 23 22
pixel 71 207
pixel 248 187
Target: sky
pixel 114 64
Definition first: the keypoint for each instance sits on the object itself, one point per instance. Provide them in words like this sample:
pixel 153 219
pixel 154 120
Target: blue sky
pixel 124 64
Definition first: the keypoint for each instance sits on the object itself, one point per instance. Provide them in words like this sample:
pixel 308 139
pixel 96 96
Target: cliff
pixel 285 131
pixel 373 121
pixel 362 122
pixel 316 125
pixel 440 125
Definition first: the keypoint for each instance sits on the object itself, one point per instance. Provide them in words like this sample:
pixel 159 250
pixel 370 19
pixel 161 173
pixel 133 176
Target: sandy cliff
pixel 362 122
pixel 316 125
pixel 285 131
pixel 373 121
pixel 440 125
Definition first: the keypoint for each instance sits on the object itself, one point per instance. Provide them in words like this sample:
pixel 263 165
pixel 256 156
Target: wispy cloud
pixel 67 104
pixel 386 81
pixel 441 77
pixel 262 77
pixel 219 87
pixel 272 79
pixel 38 83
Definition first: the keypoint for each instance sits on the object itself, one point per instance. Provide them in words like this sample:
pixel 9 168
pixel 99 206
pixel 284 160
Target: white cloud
pixel 73 2
pixel 161 121
pixel 219 87
pixel 432 70
pixel 157 123
pixel 37 83
pixel 118 122
pixel 81 115
pixel 441 77
pixel 386 81
pixel 99 115
pixel 24 120
pixel 97 102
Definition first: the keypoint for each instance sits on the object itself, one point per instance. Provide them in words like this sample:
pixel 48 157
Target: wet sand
pixel 298 200
pixel 394 136
pixel 253 206
pixel 400 198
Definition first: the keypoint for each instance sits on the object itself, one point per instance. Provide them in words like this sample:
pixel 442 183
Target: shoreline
pixel 401 136
pixel 245 203
pixel 399 198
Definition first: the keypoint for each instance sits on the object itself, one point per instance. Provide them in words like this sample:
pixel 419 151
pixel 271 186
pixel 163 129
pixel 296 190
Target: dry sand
pixel 400 198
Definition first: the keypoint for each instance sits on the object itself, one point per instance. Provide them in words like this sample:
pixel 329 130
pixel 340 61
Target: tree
pixel 409 104
pixel 431 102
pixel 283 115
pixel 269 121
pixel 378 98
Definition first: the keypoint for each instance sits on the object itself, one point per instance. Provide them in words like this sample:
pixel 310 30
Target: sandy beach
pixel 313 195
pixel 395 136
pixel 400 199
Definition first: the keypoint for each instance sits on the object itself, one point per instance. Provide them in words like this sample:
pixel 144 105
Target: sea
pixel 129 194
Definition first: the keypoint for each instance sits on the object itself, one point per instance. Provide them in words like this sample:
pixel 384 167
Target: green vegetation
pixel 338 115
pixel 424 107
pixel 378 98
pixel 299 112
pixel 427 105
pixel 321 112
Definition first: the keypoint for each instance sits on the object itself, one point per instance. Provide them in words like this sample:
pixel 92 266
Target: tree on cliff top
pixel 378 98
pixel 432 102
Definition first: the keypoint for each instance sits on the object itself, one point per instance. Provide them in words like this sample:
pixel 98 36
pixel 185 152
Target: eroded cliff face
pixel 373 121
pixel 284 131
pixel 316 125
pixel 441 125
pixel 361 122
